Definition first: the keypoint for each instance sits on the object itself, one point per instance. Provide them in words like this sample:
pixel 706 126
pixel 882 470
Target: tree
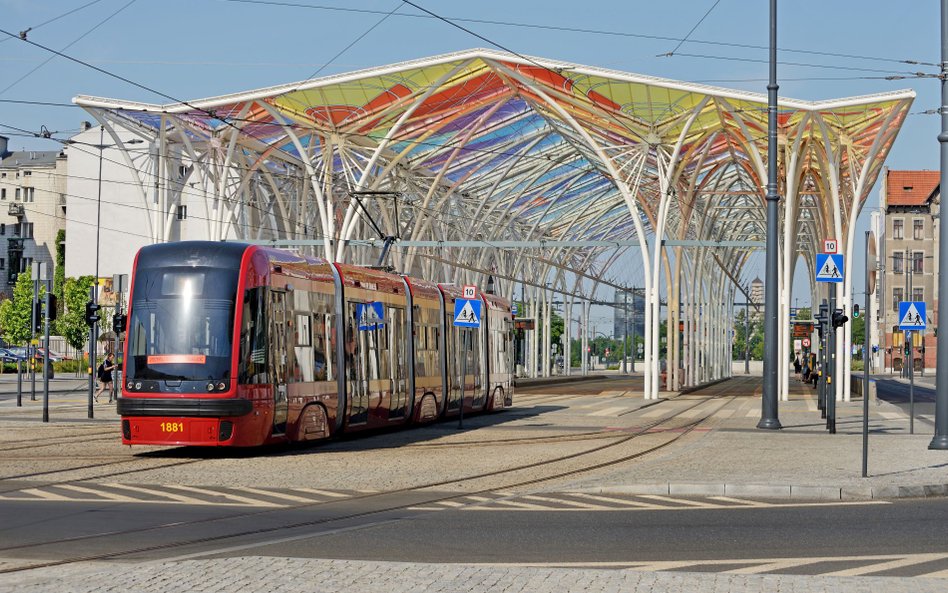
pixel 59 277
pixel 16 313
pixel 72 323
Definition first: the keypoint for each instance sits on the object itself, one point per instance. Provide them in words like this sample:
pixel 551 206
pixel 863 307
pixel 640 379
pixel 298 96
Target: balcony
pixel 16 209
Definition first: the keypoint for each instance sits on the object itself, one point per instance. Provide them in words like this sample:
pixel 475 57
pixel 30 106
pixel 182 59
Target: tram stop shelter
pixel 482 163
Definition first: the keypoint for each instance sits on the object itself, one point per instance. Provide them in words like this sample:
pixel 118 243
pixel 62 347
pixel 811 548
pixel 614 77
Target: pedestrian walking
pixel 104 374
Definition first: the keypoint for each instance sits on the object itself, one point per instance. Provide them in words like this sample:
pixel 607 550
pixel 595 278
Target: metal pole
pixel 113 394
pixel 91 367
pixel 463 376
pixel 747 329
pixel 768 416
pixel 625 330
pixel 865 373
pixel 831 365
pixel 635 349
pixel 19 383
pixel 911 372
pixel 911 344
pixel 821 380
pixel 46 350
pixel 30 352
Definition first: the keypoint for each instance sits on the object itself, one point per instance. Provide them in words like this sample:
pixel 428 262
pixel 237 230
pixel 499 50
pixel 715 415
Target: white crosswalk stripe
pixel 609 411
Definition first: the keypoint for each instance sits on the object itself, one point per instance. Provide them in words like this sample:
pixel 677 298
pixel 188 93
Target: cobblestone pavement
pixel 273 575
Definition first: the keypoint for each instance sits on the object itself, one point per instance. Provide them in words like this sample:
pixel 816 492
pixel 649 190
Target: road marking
pixel 225 495
pixel 44 495
pixel 322 492
pixel 101 493
pixel 892 415
pixel 622 501
pixel 681 501
pixel 755 565
pixel 609 411
pixel 162 494
pixel 280 495
pixel 573 503
pixel 890 565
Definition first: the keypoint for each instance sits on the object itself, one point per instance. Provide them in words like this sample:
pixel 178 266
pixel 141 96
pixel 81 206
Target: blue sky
pixel 200 48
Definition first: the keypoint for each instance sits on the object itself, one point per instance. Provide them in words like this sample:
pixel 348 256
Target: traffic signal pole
pixel 831 363
pixel 91 358
pixel 940 440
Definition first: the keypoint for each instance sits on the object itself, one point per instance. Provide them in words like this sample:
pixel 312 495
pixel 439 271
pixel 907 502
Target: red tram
pixel 239 345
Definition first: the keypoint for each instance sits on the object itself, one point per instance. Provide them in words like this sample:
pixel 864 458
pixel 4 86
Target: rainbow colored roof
pixel 485 145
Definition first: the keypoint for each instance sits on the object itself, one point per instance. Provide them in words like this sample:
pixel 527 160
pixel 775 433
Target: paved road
pixel 159 519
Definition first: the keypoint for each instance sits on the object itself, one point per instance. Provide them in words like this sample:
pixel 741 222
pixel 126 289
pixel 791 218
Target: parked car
pixel 7 355
pixel 20 351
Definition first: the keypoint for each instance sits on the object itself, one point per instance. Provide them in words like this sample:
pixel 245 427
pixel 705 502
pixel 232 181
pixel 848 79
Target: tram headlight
pixel 222 386
pixel 129 385
pixel 210 387
pixel 138 385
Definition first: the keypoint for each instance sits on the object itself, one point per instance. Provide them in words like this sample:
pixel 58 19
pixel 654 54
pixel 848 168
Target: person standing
pixel 104 373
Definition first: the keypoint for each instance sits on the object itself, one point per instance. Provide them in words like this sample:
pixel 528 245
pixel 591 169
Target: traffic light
pixel 38 316
pixel 119 322
pixel 53 305
pixel 855 311
pixel 92 313
pixel 838 318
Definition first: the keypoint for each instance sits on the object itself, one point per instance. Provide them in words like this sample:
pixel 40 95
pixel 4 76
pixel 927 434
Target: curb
pixel 776 491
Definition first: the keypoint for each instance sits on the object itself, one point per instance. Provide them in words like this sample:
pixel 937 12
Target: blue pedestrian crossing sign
pixel 912 315
pixel 467 313
pixel 370 316
pixel 829 267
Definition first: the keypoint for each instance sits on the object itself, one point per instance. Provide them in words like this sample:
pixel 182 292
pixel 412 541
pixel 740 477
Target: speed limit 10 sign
pixel 470 292
pixel 829 246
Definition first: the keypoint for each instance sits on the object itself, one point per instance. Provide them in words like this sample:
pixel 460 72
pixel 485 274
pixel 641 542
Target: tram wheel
pixel 314 424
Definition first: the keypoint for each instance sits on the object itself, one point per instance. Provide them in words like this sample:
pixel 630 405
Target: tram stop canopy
pixel 483 162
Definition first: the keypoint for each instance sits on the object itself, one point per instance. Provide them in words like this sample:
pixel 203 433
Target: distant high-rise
pixel 636 314
pixel 757 297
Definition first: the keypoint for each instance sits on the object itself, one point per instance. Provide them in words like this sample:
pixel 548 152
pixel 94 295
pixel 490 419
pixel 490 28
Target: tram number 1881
pixel 172 427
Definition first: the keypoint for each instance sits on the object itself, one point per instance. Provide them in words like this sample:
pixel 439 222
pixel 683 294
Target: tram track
pixel 672 434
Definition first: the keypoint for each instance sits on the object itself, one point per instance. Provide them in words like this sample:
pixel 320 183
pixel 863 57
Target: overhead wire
pixel 603 32
pixel 26 31
pixel 68 45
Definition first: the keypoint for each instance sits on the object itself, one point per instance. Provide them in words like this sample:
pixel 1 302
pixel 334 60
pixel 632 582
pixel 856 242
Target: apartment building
pixel 908 250
pixel 32 210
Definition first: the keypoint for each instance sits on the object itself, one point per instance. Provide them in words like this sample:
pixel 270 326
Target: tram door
pixel 361 365
pixel 278 362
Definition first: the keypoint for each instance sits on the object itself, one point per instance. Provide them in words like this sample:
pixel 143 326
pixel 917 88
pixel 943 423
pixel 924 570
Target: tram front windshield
pixel 181 324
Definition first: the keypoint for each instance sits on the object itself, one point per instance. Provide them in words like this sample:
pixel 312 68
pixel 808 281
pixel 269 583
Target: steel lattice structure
pixel 485 146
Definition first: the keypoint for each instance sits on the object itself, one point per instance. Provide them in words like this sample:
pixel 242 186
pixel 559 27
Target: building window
pixel 182 212
pixel 896 298
pixel 3 175
pixel 3 229
pixel 918 259
pixel 28 194
pixel 918 229
pixel 897 232
pixel 897 261
pixel 3 194
pixel 3 263
pixel 16 196
pixel 27 173
pixel 918 294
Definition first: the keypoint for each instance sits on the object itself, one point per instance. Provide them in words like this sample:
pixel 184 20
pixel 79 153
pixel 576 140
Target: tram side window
pixel 253 338
pixel 323 340
pixel 304 360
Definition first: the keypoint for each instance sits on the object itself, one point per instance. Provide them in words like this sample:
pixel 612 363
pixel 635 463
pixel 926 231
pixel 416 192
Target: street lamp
pixel 94 329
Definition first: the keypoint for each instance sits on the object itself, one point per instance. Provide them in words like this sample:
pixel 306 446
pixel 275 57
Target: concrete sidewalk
pixel 800 461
